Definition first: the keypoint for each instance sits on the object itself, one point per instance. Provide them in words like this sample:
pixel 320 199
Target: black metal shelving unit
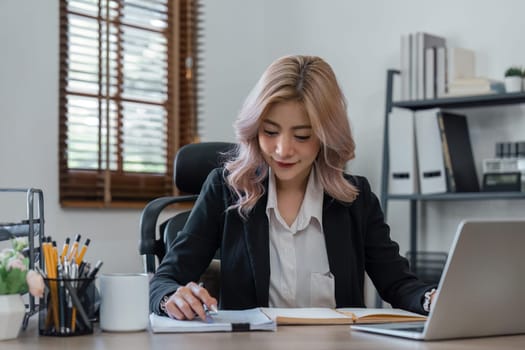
pixel 450 103
pixel 464 101
pixel 32 227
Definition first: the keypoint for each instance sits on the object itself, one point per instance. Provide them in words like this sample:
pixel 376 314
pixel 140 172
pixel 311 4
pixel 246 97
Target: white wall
pixel 359 38
pixel 29 39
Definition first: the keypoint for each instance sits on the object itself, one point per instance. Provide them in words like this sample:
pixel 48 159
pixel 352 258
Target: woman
pixel 293 229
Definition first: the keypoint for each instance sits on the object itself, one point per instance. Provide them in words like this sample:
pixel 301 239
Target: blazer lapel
pixel 336 224
pixel 256 232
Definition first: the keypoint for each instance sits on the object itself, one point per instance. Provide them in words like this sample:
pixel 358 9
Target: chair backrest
pixel 192 165
pixel 194 162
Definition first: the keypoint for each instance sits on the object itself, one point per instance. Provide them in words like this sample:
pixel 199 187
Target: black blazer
pixel 357 240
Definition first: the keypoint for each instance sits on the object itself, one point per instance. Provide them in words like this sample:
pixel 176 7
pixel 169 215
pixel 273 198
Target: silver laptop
pixel 482 288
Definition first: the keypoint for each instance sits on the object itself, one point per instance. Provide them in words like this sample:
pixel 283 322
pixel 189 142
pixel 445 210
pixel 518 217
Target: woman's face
pixel 288 143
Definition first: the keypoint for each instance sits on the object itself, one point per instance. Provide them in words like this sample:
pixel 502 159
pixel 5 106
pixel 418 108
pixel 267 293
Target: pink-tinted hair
pixel 310 81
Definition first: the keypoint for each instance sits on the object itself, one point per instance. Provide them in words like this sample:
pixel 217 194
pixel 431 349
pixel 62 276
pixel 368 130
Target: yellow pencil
pixel 74 249
pixel 47 263
pixel 65 248
pixel 80 256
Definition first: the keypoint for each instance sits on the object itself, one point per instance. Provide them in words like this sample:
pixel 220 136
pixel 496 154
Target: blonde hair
pixel 310 81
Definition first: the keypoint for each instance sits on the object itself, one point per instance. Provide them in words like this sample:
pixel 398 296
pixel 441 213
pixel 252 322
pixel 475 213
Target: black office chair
pixel 193 163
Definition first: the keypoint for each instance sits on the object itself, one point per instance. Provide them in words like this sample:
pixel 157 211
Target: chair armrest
pixel 148 221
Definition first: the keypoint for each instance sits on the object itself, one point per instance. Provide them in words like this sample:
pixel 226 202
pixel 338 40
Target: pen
pixel 212 310
pixel 94 272
pixel 83 269
pixel 78 306
pixel 62 303
pixel 89 278
pixel 66 274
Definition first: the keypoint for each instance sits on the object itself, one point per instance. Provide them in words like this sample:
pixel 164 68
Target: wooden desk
pixel 286 337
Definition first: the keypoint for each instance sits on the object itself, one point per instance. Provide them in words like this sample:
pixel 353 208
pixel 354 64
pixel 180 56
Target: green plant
pixel 13 268
pixel 514 72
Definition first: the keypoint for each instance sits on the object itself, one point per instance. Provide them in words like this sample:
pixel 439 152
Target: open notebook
pixel 313 316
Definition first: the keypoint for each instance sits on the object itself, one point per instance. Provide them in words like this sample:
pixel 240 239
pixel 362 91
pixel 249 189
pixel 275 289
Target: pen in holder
pixel 69 307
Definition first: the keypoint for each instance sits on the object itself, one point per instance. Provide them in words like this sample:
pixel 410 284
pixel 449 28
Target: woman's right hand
pixel 188 302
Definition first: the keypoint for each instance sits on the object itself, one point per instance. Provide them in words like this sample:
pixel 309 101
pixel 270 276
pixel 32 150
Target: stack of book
pixel 474 86
pixel 430 69
pixel 461 75
pixel 419 65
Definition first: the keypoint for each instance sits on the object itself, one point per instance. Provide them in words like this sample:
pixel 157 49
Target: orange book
pixel 317 316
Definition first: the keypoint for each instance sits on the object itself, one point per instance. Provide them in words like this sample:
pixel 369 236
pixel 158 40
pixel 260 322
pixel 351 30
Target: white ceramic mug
pixel 124 305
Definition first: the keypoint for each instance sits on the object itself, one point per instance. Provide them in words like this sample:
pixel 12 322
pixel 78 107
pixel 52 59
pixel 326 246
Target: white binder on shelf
pixel 402 173
pixel 432 176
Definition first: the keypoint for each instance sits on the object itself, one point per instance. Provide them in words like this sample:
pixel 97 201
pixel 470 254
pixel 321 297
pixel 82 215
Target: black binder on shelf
pixel 457 153
pixel 445 158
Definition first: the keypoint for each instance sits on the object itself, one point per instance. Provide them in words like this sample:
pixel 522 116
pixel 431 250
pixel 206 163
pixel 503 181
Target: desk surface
pixel 286 337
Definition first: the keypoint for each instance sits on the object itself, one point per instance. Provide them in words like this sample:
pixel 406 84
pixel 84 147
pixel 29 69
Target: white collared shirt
pixel 299 271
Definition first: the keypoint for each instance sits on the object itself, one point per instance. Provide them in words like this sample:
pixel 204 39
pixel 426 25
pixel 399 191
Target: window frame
pixel 106 188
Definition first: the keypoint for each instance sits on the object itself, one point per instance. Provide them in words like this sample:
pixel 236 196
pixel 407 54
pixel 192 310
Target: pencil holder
pixel 68 308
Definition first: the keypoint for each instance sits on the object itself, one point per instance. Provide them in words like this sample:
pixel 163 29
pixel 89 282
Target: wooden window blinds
pixel 128 98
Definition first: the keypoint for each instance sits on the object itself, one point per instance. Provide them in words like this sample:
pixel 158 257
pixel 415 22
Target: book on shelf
pixel 436 71
pixel 225 321
pixel 461 63
pixel 405 73
pixel 474 86
pixel 325 316
pixel 413 66
pixel 441 72
pixel 425 41
pixel 430 73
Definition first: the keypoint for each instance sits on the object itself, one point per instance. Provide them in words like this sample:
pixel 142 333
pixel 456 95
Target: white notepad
pixel 224 321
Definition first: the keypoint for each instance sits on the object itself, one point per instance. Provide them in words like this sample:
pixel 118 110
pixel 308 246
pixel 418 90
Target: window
pixel 128 94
